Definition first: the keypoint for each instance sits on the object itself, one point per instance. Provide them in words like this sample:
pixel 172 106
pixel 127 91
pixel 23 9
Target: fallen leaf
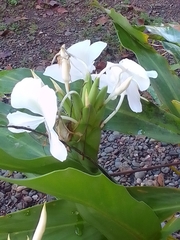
pixel 140 21
pixel 4 33
pixel 159 180
pixel 101 21
pixel 100 66
pixel 8 67
pixel 61 10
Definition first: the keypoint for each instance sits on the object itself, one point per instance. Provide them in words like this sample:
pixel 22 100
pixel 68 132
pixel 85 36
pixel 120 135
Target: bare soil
pixel 31 32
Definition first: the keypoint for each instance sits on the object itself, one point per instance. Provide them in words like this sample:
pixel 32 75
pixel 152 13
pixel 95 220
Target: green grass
pixel 13 2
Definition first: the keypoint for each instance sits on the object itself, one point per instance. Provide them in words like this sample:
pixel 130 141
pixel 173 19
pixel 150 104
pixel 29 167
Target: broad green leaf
pixel 175 66
pixel 63 222
pixel 171 226
pixel 169 33
pixel 176 104
pixel 110 208
pixel 173 49
pixel 8 79
pixel 163 200
pixel 39 165
pixel 140 36
pixel 152 122
pixel 166 84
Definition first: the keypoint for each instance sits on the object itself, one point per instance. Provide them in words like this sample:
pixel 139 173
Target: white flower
pixel 32 94
pixel 116 74
pixel 82 57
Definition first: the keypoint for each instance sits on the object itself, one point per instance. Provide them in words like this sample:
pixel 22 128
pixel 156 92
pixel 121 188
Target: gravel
pixel 122 154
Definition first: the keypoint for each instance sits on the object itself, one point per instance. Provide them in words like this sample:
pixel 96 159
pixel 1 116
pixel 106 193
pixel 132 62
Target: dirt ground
pixel 31 32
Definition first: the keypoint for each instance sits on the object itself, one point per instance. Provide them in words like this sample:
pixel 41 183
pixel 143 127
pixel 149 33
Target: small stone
pixel 118 164
pixel 20 188
pixel 111 138
pixel 1 195
pixel 35 197
pixel 20 206
pixel 117 178
pixel 140 174
pixel 135 164
pixel 139 181
pixel 165 169
pixel 18 175
pixel 171 184
pixel 149 183
pixel 27 199
pixel 108 149
pixel 24 192
pixel 116 133
pixel 7 187
pixel 173 153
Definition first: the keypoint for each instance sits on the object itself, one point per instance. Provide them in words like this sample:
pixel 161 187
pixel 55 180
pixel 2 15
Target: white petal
pixel 24 120
pixel 47 101
pixel 57 148
pixel 133 97
pixel 78 69
pixel 25 94
pixel 80 49
pixel 94 51
pixel 54 71
pixel 152 74
pixel 138 73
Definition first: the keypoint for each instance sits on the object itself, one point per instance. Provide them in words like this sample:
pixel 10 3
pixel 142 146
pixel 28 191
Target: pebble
pixel 108 149
pixel 140 174
pixel 165 169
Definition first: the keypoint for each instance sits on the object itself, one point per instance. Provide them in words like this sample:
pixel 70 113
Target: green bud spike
pixel 94 92
pixel 77 106
pixel 100 98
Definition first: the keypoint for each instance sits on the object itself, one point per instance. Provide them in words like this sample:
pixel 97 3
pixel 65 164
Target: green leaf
pixel 173 49
pixel 164 201
pixel 152 122
pixel 8 78
pixel 171 226
pixel 63 222
pixel 166 84
pixel 105 205
pixel 124 23
pixel 169 33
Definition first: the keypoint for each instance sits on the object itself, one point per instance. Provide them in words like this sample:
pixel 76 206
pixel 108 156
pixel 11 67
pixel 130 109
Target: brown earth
pixel 31 32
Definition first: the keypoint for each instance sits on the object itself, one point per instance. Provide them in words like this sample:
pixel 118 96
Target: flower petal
pixel 94 51
pixel 152 74
pixel 24 120
pixel 47 101
pixel 80 50
pixel 138 73
pixel 54 71
pixel 133 97
pixel 57 148
pixel 25 94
